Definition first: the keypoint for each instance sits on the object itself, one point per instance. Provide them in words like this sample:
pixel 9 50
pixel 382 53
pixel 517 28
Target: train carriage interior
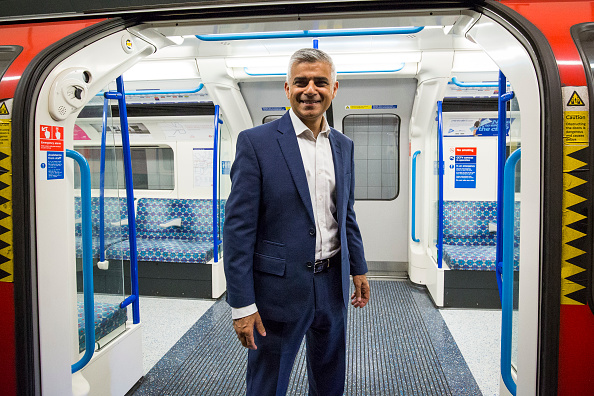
pixel 418 94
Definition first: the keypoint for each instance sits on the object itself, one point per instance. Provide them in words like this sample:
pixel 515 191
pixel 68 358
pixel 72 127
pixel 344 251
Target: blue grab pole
pixel 504 97
pixel 89 297
pixel 440 176
pixel 215 174
pixel 102 184
pixel 133 299
pixel 507 292
pixel 414 197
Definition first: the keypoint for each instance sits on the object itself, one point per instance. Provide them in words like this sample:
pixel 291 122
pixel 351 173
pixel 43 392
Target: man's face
pixel 310 90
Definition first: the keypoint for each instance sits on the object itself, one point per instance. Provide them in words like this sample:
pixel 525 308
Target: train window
pixel 8 53
pixel 152 167
pixel 270 118
pixel 376 154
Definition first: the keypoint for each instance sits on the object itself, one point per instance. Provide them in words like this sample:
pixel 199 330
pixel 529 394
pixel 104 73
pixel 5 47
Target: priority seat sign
pixel 465 167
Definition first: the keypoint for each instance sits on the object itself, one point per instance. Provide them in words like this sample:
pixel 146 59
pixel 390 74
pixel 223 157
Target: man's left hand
pixel 362 293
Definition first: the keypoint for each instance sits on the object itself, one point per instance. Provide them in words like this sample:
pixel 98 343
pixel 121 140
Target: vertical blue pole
pixel 130 199
pixel 315 43
pixel 215 190
pixel 102 184
pixel 440 176
pixel 504 97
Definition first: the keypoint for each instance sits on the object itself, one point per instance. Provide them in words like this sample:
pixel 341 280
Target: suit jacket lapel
pixel 287 140
pixel 338 170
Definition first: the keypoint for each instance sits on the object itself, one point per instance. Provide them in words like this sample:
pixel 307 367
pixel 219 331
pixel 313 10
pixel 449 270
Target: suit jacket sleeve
pixel 354 240
pixel 241 224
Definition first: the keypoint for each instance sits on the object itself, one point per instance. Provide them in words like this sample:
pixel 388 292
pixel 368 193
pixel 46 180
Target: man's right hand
pixel 244 327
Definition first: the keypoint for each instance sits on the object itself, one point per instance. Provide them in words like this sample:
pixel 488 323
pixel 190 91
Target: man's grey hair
pixel 311 55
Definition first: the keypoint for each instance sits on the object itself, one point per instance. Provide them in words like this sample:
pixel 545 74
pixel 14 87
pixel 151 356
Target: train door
pixel 65 214
pixel 452 248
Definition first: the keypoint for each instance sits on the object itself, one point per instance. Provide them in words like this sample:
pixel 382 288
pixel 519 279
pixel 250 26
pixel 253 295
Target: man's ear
pixel 335 89
pixel 287 89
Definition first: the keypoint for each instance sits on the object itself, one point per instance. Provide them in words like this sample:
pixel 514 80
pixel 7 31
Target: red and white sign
pixel 465 150
pixel 51 138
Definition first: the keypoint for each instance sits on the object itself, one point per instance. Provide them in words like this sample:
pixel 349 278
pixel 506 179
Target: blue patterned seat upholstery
pixel 115 211
pixel 467 242
pixel 108 317
pixel 191 242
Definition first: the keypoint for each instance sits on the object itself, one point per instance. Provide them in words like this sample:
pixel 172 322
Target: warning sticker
pixel 51 138
pixel 4 109
pixel 576 121
pixel 370 107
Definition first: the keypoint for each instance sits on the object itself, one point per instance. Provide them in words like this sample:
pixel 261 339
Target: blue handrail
pixel 156 91
pixel 89 297
pixel 507 295
pixel 215 173
pixel 414 197
pixel 504 97
pixel 483 84
pixel 102 183
pixel 309 33
pixel 440 167
pixel 133 299
pixel 398 68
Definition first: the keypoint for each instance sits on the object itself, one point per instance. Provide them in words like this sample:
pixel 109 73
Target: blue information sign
pixel 465 167
pixel 55 165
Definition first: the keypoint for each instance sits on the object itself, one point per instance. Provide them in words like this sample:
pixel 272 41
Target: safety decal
pixel 575 116
pixel 574 260
pixel 6 237
pixel 370 107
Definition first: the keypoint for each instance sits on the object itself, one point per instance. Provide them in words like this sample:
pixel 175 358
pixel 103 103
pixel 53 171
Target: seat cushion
pixel 478 258
pixel 108 317
pixel 164 250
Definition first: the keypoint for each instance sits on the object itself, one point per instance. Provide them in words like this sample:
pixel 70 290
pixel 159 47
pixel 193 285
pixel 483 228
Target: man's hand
pixel 244 327
pixel 362 293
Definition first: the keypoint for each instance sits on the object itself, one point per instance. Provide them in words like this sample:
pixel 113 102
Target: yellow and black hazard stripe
pixel 6 237
pixel 574 276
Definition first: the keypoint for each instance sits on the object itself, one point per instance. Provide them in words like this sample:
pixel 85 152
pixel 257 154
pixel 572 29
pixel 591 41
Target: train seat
pixel 468 243
pixel 170 230
pixel 115 228
pixel 108 317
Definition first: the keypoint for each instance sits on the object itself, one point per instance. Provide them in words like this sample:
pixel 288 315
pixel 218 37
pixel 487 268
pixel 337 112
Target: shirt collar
pixel 300 127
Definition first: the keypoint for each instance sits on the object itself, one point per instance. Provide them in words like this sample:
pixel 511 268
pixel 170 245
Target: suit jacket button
pixel 312 232
pixel 309 264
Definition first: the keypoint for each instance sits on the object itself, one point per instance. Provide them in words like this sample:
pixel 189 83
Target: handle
pixel 440 167
pixel 483 84
pixel 507 295
pixel 133 299
pixel 89 298
pixel 310 33
pixel 215 174
pixel 414 197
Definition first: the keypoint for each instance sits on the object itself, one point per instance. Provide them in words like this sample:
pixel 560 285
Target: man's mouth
pixel 310 102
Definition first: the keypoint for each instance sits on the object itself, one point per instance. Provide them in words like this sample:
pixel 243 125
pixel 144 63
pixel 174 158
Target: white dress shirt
pixel 316 155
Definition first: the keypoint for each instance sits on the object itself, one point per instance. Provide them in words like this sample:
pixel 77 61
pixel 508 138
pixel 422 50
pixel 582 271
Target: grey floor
pixel 476 333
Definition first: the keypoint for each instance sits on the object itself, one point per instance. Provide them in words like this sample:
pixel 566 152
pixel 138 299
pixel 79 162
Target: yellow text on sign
pixel 575 128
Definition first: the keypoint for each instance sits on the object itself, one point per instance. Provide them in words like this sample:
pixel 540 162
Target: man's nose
pixel 311 88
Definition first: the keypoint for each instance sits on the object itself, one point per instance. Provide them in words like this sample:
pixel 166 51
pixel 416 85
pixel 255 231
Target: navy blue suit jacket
pixel 269 232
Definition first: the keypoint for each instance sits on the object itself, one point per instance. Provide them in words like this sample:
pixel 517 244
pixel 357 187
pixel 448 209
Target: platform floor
pixel 398 345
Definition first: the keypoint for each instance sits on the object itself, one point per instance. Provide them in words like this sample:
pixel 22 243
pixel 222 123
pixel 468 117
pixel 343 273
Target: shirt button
pixel 312 232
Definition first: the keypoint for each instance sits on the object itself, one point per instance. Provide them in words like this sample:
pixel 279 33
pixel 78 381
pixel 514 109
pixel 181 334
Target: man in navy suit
pixel 291 240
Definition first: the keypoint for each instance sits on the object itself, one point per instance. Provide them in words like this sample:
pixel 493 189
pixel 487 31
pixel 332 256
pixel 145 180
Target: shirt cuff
pixel 238 313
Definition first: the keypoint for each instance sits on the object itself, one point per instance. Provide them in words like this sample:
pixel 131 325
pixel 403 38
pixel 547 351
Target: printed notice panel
pixel 465 167
pixel 55 166
pixel 51 138
pixel 576 117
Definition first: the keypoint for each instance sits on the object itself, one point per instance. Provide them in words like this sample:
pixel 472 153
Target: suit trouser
pixel 324 325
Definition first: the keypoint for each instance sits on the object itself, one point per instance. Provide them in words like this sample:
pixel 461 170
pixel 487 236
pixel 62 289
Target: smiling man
pixel 291 237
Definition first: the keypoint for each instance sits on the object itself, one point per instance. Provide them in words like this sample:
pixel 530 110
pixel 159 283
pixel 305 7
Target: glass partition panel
pixel 109 221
